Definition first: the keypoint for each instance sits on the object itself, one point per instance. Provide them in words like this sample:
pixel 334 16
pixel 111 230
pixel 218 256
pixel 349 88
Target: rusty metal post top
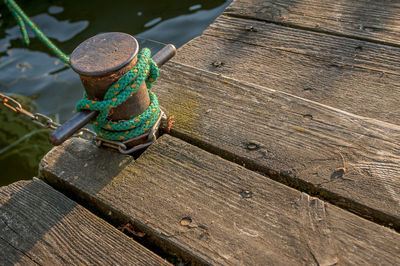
pixel 104 53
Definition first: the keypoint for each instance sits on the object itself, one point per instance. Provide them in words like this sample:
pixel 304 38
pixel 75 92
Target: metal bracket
pixel 122 147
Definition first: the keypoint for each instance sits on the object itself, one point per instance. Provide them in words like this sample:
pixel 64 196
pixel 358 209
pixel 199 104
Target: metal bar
pixel 164 55
pixel 82 118
pixel 66 130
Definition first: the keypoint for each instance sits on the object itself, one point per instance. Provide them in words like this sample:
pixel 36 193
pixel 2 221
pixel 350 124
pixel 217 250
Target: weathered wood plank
pixel 39 225
pixel 218 210
pixel 355 76
pixel 336 50
pixel 364 19
pixel 294 140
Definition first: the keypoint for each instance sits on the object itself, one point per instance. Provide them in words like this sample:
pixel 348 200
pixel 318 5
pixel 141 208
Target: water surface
pixel 45 85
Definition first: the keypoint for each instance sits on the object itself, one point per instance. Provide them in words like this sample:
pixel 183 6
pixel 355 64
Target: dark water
pixel 45 85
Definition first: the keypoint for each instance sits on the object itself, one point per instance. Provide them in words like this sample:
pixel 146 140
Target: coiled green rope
pixel 145 70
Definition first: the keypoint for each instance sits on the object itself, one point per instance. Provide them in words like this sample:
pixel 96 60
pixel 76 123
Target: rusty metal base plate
pixel 131 145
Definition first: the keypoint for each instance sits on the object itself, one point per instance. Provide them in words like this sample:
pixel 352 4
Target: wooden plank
pixel 329 48
pixel 218 210
pixel 363 19
pixel 293 140
pixel 39 225
pixel 352 75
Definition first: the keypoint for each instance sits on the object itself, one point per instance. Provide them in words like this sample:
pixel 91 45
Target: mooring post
pixel 100 61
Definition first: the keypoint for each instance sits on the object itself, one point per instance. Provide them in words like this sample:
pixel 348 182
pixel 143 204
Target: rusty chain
pixel 46 122
pixel 40 119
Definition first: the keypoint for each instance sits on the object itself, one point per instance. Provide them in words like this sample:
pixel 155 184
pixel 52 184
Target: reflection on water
pixel 34 72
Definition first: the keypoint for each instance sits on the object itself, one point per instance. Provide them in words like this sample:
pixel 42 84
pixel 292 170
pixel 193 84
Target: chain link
pixel 148 138
pixel 46 122
pixel 40 119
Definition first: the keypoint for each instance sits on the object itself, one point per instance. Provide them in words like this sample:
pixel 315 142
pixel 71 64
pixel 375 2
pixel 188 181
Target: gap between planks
pixel 108 164
pixel 40 225
pixel 316 30
pixel 339 18
pixel 191 124
pixel 216 210
pixel 325 69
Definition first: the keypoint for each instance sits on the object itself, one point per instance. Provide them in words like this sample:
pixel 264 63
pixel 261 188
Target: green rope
pixel 21 18
pixel 145 70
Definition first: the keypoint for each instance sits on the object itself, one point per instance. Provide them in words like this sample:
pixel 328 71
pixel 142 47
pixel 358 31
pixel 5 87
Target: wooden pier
pixel 285 150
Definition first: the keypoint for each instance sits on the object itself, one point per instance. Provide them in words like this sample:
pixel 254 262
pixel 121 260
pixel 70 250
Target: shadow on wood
pixel 39 225
pixel 222 213
pixel 66 174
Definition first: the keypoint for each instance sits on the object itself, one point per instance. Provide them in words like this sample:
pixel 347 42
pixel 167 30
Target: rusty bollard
pixel 100 61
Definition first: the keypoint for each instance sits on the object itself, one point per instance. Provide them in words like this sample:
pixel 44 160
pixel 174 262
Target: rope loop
pixel 146 71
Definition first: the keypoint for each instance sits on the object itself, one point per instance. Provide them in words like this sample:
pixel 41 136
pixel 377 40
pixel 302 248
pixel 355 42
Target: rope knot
pixel 146 71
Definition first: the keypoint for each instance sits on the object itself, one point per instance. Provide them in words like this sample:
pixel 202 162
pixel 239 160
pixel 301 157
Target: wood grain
pixel 355 76
pixel 39 225
pixel 294 140
pixel 219 211
pixel 375 21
